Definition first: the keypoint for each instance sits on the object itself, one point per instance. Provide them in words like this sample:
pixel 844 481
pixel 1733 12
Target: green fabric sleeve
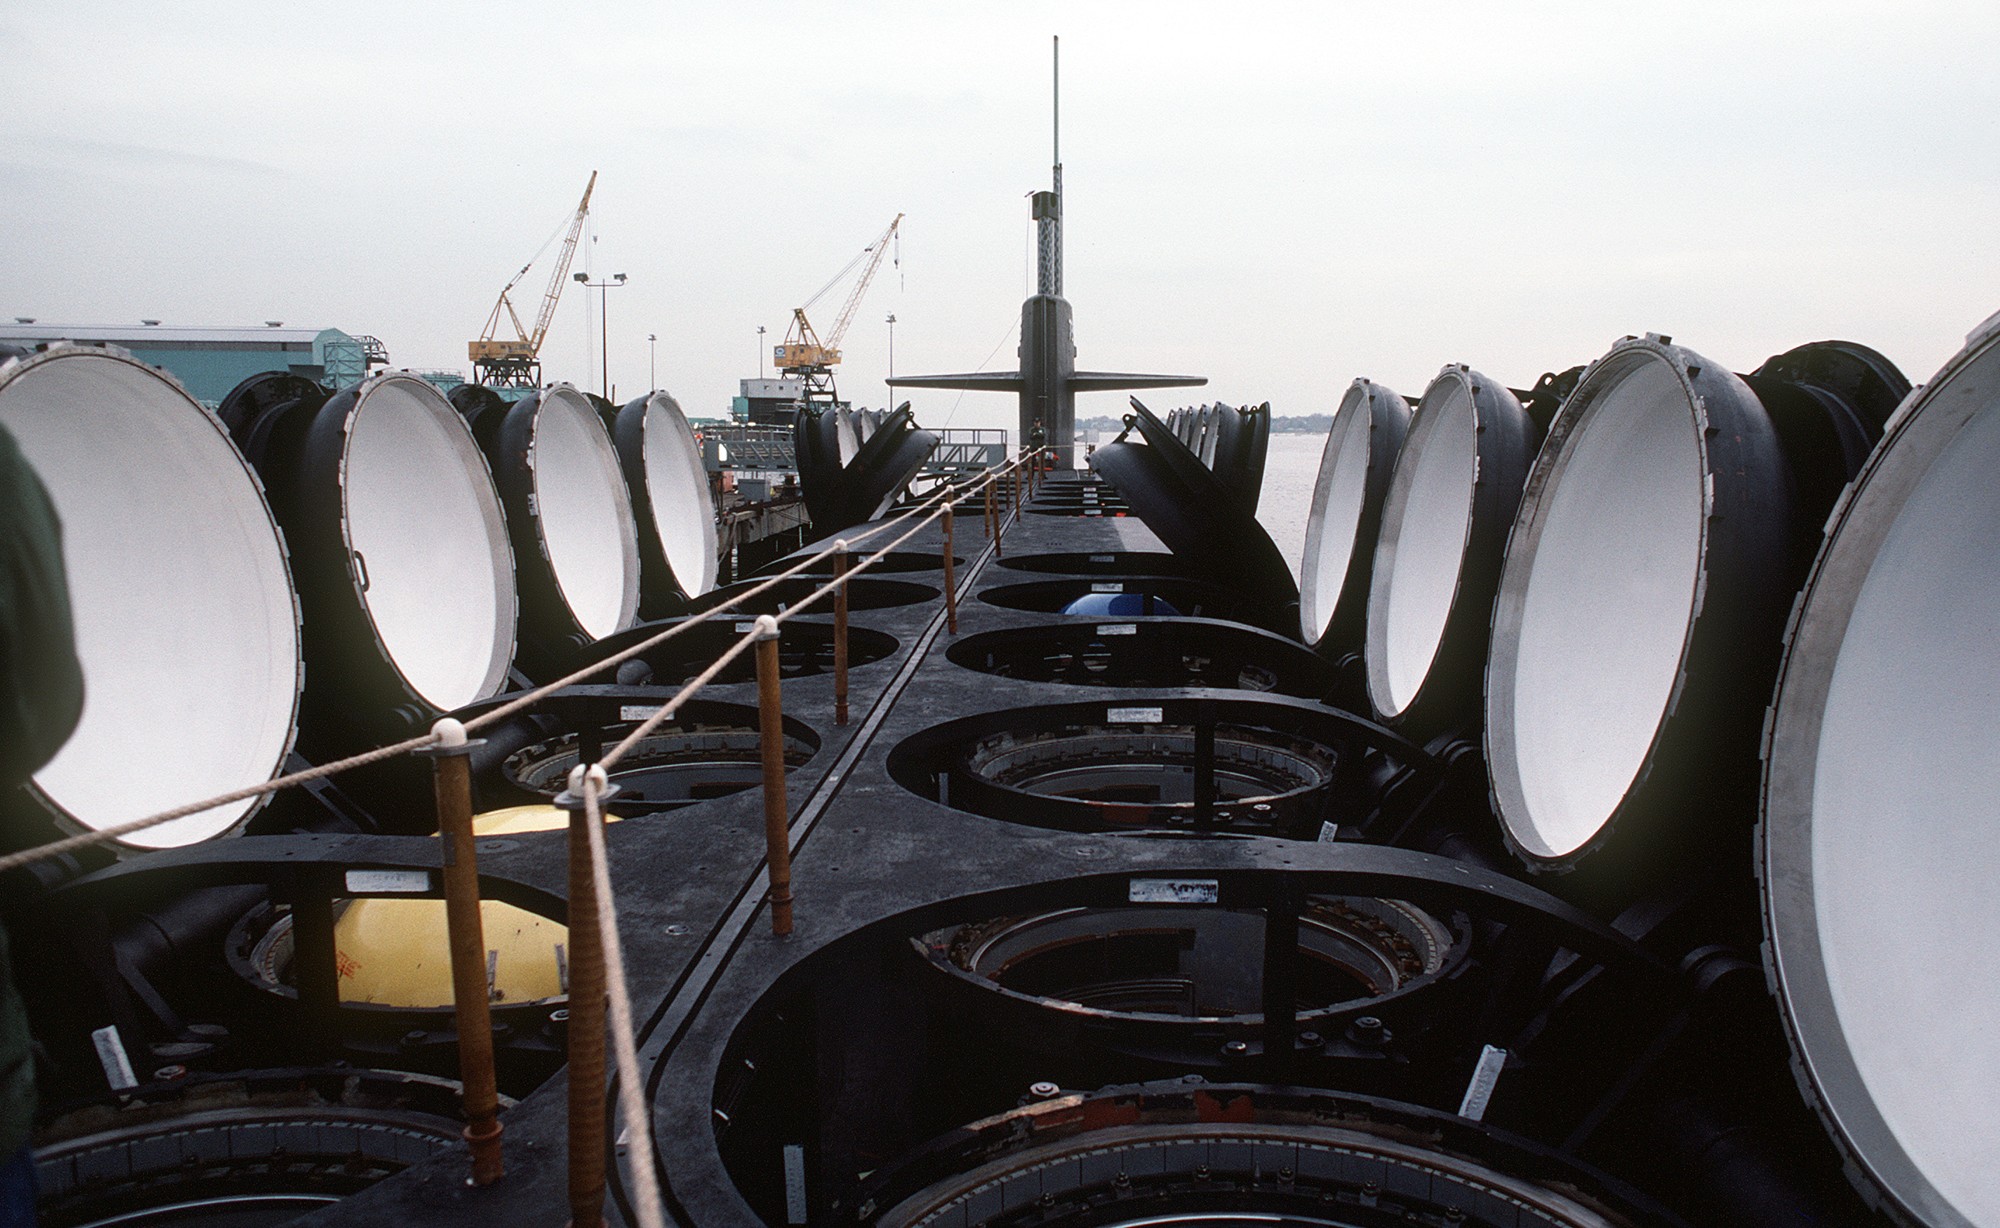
pixel 41 697
pixel 41 684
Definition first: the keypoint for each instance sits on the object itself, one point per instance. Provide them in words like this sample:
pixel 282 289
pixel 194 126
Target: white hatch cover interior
pixel 1603 561
pixel 425 525
pixel 1882 808
pixel 186 622
pixel 1426 522
pixel 1339 496
pixel 677 486
pixel 583 513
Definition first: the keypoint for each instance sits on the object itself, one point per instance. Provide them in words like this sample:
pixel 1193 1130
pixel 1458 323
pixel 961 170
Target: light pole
pixel 760 351
pixel 603 289
pixel 891 395
pixel 652 362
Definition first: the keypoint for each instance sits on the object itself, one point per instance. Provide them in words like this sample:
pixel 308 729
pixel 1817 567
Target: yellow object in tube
pixel 394 952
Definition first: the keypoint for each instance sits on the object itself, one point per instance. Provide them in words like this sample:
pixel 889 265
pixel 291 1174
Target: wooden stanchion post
pixel 993 512
pixel 586 989
pixel 771 739
pixel 840 565
pixel 950 585
pixel 451 776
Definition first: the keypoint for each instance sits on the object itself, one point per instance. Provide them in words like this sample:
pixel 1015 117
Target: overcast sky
pixel 1278 197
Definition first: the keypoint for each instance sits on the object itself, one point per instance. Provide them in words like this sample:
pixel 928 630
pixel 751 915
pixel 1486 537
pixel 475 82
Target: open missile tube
pixel 1111 908
pixel 187 624
pixel 1151 652
pixel 1348 494
pixel 1456 484
pixel 569 513
pixel 1131 1069
pixel 399 545
pixel 1878 772
pixel 1213 765
pixel 673 511
pixel 1636 631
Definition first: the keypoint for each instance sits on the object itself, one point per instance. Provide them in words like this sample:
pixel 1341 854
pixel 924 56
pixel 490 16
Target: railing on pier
pixel 747 447
pixel 967 451
pixel 769 448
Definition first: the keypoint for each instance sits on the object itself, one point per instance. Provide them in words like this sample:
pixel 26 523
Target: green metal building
pixel 211 361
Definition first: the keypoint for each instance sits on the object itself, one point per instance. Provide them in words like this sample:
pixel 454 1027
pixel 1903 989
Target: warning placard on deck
pixel 388 882
pixel 1174 891
pixel 1134 716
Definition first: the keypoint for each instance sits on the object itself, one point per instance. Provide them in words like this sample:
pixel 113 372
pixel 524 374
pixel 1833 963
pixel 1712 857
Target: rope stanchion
pixel 950 583
pixel 638 1135
pixel 777 810
pixel 596 909
pixel 593 908
pixel 595 970
pixel 542 692
pixel 107 835
pixel 708 675
pixel 813 598
pixel 665 712
pixel 586 989
pixel 764 638
pixel 451 775
pixel 995 501
pixel 840 629
pixel 595 783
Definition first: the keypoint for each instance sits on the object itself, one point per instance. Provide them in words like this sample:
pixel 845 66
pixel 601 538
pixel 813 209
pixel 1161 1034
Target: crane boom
pixel 847 309
pixel 514 362
pixel 560 277
pixel 803 351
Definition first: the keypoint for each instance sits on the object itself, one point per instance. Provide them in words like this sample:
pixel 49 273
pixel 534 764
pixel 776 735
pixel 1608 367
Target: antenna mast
pixel 1048 205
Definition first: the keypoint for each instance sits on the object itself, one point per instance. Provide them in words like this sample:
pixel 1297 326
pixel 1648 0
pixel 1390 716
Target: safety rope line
pixel 573 679
pixel 666 711
pixel 593 778
pixel 631 1104
pixel 637 1129
pixel 70 844
pixel 108 835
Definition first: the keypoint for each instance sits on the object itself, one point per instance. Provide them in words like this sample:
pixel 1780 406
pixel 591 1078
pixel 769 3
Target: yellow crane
pixel 514 363
pixel 803 353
